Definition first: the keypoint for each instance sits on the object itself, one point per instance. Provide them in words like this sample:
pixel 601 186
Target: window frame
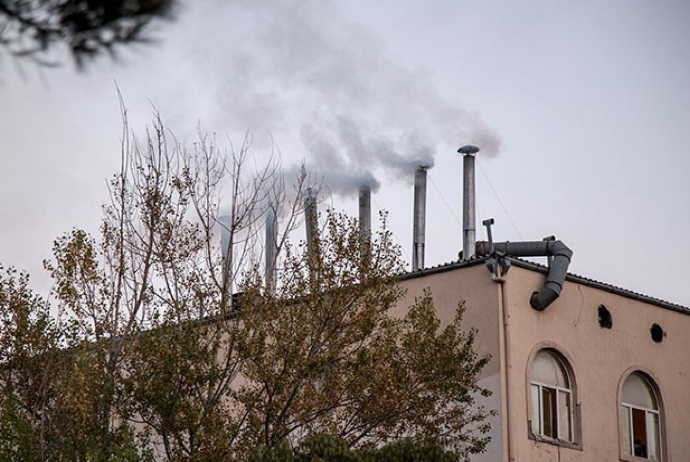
pixel 626 432
pixel 535 432
pixel 558 390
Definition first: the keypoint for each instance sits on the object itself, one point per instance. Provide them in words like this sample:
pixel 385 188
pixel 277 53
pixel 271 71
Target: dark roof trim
pixel 442 268
pixel 603 286
pixel 544 270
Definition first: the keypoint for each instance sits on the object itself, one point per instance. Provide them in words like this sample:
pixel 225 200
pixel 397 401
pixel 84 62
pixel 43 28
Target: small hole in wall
pixel 605 318
pixel 657 333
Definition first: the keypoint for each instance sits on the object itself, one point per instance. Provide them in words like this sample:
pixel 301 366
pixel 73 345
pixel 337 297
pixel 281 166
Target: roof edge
pixel 532 266
pixel 603 286
pixel 442 268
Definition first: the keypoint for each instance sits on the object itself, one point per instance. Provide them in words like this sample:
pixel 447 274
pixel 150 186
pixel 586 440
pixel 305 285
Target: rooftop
pixel 533 266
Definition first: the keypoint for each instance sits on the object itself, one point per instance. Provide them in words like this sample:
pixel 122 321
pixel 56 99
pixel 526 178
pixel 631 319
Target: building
pixel 596 374
pixel 600 375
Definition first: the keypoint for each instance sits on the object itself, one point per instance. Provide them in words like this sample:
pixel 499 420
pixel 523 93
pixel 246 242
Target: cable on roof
pixel 499 200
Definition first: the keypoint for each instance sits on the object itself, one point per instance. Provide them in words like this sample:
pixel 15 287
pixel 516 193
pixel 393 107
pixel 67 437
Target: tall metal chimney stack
pixel 271 247
pixel 310 222
pixel 468 202
pixel 225 224
pixel 419 218
pixel 364 214
pixel 226 247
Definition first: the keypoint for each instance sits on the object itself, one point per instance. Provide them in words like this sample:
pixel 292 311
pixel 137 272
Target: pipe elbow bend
pixel 545 297
pixel 559 249
pixel 548 294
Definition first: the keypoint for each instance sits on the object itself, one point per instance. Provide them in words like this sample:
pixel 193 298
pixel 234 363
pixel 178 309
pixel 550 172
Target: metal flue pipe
pixel 310 222
pixel 468 202
pixel 225 222
pixel 364 212
pixel 559 254
pixel 364 221
pixel 271 247
pixel 419 218
pixel 226 248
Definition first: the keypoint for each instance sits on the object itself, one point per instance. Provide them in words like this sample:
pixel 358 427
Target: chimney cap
pixel 468 149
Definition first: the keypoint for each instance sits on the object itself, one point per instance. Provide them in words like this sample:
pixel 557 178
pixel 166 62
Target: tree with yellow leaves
pixel 152 357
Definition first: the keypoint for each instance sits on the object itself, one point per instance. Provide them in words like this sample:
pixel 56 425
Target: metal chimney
pixel 271 247
pixel 468 202
pixel 226 247
pixel 225 224
pixel 310 222
pixel 364 215
pixel 419 218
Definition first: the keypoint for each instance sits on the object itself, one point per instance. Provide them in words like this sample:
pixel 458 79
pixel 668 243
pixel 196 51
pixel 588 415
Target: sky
pixel 581 111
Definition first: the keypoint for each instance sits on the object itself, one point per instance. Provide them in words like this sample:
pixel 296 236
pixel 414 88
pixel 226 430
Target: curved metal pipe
pixel 557 250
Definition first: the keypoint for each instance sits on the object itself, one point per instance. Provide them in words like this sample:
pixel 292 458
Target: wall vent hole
pixel 605 318
pixel 657 333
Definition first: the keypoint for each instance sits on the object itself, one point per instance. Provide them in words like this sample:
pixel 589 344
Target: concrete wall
pixel 600 359
pixel 474 286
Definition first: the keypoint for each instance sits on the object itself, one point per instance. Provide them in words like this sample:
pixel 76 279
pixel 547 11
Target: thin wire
pixel 481 230
pixel 499 200
pixel 402 247
pixel 450 209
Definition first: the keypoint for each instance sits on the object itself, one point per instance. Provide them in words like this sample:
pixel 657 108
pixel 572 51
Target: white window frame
pixel 568 392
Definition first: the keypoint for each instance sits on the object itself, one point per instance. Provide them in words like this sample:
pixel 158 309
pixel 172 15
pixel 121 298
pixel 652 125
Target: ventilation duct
pixel 558 253
pixel 419 218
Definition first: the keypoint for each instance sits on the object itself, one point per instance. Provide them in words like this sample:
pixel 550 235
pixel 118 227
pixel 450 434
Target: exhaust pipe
pixel 226 248
pixel 419 218
pixel 310 223
pixel 271 247
pixel 558 253
pixel 468 201
pixel 364 213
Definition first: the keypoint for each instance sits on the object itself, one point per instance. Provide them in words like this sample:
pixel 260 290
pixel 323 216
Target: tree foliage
pixel 330 448
pixel 147 353
pixel 87 28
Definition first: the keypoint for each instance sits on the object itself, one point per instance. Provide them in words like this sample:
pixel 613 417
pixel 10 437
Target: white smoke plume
pixel 298 67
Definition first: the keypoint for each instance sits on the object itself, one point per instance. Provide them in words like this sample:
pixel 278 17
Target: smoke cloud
pixel 296 68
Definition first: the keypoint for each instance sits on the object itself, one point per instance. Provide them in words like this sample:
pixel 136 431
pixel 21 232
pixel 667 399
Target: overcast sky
pixel 581 109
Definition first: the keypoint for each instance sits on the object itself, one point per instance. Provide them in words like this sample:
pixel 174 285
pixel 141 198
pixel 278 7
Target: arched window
pixel 640 418
pixel 551 397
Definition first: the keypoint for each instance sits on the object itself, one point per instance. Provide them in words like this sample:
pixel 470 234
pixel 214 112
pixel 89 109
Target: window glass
pixel 547 369
pixel 653 443
pixel 564 415
pixel 625 424
pixel 536 419
pixel 636 391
